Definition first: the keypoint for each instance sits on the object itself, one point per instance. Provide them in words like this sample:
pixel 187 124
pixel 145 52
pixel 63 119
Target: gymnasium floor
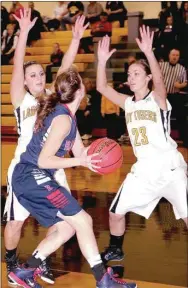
pixel 156 249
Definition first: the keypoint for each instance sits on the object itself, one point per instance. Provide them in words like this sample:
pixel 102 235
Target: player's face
pixel 137 77
pixel 35 79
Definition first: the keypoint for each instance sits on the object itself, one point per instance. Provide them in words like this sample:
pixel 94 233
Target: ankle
pixel 98 271
pixel 10 253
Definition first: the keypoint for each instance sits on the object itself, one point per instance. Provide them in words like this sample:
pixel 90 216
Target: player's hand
pixel 24 21
pixel 145 44
pixel 104 52
pixel 79 28
pixel 89 161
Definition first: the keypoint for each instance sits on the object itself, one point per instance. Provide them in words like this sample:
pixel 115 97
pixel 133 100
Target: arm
pixel 17 90
pixel 60 128
pixel 70 55
pixel 116 11
pixel 183 82
pixel 102 86
pixel 78 147
pixel 145 46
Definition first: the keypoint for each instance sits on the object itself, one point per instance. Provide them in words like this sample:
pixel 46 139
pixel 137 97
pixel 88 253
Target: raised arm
pixel 103 55
pixel 145 45
pixel 17 90
pixel 69 57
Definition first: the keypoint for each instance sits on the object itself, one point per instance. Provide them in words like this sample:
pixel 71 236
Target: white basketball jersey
pixel 25 117
pixel 148 127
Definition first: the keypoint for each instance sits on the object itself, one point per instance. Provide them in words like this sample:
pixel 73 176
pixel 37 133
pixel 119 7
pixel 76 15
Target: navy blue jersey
pixel 39 138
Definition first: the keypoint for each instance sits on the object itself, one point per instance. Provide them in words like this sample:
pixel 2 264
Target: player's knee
pixel 15 226
pixel 86 220
pixel 115 217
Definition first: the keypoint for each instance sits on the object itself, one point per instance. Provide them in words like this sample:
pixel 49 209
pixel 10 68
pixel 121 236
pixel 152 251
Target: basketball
pixel 110 154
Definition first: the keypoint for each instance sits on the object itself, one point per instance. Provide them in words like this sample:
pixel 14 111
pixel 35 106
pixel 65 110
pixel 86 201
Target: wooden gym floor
pixel 156 249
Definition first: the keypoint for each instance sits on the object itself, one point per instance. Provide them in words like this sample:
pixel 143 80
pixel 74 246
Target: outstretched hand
pixel 104 52
pixel 145 44
pixel 79 28
pixel 24 21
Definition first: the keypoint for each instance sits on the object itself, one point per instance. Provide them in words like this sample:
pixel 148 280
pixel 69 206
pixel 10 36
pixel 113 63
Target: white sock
pixel 38 255
pixel 94 260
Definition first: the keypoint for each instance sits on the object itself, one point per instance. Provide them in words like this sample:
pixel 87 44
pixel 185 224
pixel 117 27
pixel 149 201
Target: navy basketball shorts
pixel 39 193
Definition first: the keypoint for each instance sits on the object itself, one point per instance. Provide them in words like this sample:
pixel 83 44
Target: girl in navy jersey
pixel 160 170
pixel 55 134
pixel 27 85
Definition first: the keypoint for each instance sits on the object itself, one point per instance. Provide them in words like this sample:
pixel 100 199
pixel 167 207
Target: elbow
pixel 100 88
pixel 42 162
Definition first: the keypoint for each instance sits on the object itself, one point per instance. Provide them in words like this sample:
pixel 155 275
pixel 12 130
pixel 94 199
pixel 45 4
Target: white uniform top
pixel 25 117
pixel 148 127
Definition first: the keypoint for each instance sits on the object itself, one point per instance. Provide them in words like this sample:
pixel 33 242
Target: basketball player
pixel 160 170
pixel 55 135
pixel 31 78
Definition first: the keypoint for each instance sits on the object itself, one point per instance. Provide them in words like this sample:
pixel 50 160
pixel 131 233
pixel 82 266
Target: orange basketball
pixel 110 154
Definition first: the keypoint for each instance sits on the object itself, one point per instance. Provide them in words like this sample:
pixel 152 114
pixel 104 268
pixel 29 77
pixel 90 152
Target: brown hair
pixel 65 86
pixel 25 66
pixel 146 68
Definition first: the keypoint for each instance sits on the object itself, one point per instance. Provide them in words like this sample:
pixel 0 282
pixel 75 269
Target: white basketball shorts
pixel 151 180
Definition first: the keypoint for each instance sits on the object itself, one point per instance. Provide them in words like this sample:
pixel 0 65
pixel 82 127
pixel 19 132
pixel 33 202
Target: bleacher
pixel 40 52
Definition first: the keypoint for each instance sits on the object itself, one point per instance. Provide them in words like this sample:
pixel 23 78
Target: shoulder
pixel 61 123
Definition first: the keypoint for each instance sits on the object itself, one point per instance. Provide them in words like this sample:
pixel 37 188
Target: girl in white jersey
pixel 26 86
pixel 160 170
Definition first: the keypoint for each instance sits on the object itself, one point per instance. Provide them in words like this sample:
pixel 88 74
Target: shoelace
pixel 12 263
pixel 46 267
pixel 117 280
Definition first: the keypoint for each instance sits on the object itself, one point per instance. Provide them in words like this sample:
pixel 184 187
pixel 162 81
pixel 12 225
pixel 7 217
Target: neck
pixel 139 95
pixel 73 107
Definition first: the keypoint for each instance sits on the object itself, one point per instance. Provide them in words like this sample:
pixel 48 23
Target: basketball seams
pixel 107 153
pixel 113 163
pixel 97 144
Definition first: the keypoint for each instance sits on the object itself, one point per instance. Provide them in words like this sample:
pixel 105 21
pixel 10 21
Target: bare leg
pixel 82 222
pixel 117 224
pixel 58 234
pixel 12 234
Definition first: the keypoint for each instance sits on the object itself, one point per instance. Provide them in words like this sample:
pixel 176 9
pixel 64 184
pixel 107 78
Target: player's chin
pixel 133 88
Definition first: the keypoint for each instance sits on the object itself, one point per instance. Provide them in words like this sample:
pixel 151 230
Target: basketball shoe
pixel 109 281
pixel 11 263
pixel 45 273
pixel 112 253
pixel 25 277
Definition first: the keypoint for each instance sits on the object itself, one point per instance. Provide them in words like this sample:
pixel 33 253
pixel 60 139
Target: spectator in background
pixel 4 19
pixel 75 9
pixel 60 11
pixel 84 113
pixel 116 12
pixel 14 22
pixel 175 79
pixel 183 34
pixel 34 33
pixel 110 111
pixel 98 29
pixel 9 45
pixel 16 7
pixel 56 59
pixel 166 39
pixel 102 27
pixel 94 9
